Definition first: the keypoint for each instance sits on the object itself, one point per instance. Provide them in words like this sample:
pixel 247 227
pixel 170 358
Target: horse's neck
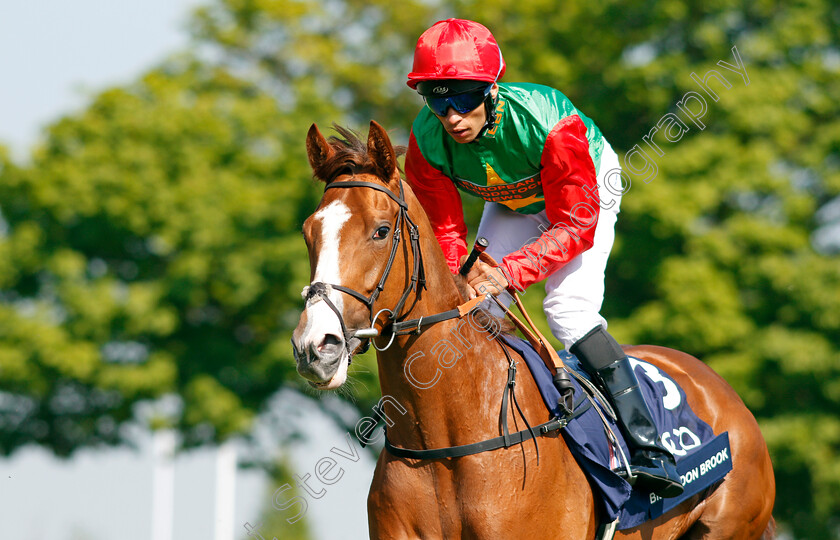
pixel 449 379
pixel 452 371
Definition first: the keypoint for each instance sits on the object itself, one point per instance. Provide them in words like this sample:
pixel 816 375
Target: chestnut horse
pixel 505 493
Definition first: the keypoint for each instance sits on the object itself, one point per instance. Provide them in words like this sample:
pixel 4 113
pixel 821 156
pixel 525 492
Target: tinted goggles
pixel 462 103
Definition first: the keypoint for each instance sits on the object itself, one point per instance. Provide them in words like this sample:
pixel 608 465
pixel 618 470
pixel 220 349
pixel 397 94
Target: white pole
pixel 163 484
pixel 225 490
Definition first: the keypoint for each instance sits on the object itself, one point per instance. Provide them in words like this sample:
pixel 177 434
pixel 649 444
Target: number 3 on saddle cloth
pixel 702 458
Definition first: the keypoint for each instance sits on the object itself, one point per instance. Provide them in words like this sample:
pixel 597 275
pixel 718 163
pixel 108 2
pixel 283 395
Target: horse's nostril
pixel 330 342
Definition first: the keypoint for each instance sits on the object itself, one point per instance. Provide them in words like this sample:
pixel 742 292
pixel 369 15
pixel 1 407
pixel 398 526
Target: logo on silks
pixel 440 89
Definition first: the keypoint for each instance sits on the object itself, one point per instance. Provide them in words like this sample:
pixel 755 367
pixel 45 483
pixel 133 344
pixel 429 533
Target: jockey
pixel 552 188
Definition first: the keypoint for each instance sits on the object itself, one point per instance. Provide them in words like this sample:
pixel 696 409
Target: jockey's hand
pixel 484 278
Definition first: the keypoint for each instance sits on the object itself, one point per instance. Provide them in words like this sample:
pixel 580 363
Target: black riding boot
pixel 654 467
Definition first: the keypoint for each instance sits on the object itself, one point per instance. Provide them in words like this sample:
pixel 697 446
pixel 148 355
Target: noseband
pixel 320 290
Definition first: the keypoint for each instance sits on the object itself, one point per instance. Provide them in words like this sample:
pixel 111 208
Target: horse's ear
pixel 382 152
pixel 317 148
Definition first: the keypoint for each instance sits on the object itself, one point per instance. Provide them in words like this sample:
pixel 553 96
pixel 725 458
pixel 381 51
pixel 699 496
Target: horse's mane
pixel 351 156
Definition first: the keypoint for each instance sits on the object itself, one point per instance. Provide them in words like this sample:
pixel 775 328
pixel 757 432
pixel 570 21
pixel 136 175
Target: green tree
pixel 162 223
pixel 152 248
pixel 352 53
pixel 716 255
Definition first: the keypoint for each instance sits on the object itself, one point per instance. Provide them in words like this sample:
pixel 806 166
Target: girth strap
pixel 490 444
pixel 507 439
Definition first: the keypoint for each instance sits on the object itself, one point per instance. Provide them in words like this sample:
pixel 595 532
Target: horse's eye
pixel 381 233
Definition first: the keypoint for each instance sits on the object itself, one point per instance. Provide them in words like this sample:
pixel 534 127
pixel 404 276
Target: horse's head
pixel 358 263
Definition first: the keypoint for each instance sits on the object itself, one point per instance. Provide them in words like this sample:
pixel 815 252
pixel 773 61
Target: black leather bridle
pixel 320 290
pixel 397 326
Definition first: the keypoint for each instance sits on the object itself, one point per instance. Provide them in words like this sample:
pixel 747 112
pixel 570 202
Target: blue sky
pixel 55 54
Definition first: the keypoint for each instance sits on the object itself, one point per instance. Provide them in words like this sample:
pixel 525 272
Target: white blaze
pixel 332 218
pixel 320 319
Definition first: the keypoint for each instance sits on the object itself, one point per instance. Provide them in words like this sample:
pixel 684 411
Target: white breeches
pixel 575 292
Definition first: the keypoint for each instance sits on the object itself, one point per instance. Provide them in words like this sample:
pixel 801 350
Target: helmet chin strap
pixel 490 109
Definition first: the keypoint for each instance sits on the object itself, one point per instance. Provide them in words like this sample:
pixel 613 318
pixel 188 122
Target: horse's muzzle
pixel 319 363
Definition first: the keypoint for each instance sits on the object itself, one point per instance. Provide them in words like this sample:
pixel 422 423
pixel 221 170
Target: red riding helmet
pixel 456 49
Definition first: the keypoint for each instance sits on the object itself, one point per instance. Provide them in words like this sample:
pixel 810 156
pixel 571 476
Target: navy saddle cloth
pixel 702 458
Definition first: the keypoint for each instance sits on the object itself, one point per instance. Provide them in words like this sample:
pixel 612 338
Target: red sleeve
pixel 569 183
pixel 441 201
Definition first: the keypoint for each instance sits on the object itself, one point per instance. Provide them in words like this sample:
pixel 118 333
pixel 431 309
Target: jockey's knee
pixel 570 326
